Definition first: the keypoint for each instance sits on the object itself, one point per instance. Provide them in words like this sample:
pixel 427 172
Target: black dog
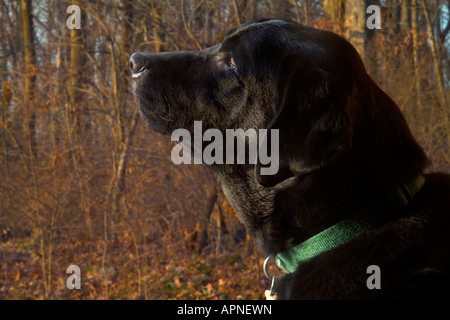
pixel 349 213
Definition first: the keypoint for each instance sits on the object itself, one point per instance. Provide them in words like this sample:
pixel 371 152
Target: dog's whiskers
pixel 169 120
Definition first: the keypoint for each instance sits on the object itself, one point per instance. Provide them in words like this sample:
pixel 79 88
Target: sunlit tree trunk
pixel 335 9
pixel 75 108
pixel 30 71
pixel 416 66
pixel 437 62
pixel 351 17
pixel 76 70
pixel 405 6
pixel 355 24
pixel 5 98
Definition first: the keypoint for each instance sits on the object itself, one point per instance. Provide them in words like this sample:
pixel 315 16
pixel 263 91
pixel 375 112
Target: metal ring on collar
pixel 266 268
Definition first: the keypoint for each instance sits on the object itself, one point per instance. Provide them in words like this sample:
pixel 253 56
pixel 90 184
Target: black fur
pixel 343 141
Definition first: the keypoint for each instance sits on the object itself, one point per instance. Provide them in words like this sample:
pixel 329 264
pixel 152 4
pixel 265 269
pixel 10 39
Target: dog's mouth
pixel 154 109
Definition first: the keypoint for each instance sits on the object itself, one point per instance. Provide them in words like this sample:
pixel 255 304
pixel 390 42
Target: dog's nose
pixel 137 63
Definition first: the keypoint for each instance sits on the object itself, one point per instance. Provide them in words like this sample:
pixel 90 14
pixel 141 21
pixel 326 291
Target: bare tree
pixel 350 16
pixel 416 65
pixel 30 71
pixel 437 62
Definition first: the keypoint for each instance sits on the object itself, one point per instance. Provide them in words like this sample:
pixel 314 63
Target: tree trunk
pixel 437 62
pixel 335 9
pixel 76 68
pixel 5 99
pixel 75 110
pixel 355 24
pixel 351 17
pixel 123 139
pixel 405 20
pixel 30 75
pixel 417 74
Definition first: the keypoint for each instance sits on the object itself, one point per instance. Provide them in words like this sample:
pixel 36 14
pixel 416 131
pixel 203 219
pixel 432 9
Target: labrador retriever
pixel 350 213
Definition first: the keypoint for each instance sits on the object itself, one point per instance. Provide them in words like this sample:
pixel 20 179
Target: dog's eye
pixel 231 63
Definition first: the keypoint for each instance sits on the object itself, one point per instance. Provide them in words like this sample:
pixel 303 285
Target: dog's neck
pixel 367 217
pixel 282 216
pixel 302 206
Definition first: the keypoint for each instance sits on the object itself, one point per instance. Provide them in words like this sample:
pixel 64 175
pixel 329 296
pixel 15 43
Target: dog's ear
pixel 313 120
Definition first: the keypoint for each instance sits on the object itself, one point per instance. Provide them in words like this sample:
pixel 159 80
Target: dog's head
pixel 310 84
pixel 270 74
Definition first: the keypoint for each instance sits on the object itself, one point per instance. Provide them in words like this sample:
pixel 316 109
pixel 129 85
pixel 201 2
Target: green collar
pixel 350 228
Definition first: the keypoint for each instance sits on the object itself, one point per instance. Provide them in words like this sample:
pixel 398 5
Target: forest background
pixel 84 182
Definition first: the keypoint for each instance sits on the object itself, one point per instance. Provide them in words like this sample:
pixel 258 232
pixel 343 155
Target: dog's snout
pixel 138 63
